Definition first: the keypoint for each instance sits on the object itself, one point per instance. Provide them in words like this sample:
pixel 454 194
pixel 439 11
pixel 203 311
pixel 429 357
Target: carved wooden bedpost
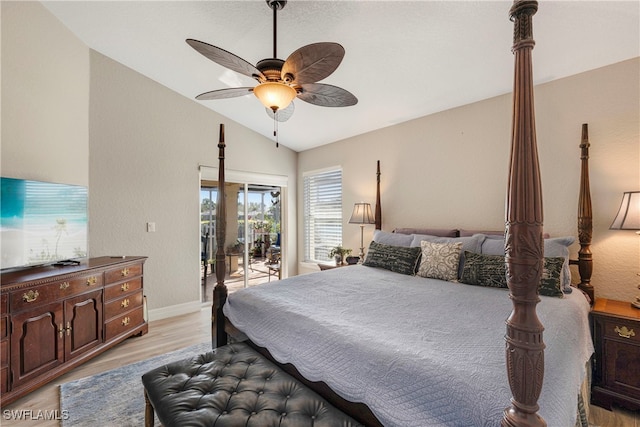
pixel 218 334
pixel 378 213
pixel 524 244
pixel 585 219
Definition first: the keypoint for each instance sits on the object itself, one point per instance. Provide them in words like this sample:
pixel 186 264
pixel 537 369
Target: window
pixel 322 213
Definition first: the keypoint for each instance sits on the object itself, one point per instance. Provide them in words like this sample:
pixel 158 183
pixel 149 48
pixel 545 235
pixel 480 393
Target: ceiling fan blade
pixel 226 59
pixel 326 95
pixel 231 92
pixel 281 115
pixel 312 63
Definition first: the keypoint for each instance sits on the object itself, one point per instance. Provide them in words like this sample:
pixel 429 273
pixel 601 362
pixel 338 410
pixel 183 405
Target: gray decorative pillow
pixel 398 259
pixel 553 247
pixel 551 281
pixel 559 247
pixel 490 270
pixel 440 260
pixel 484 270
pixel 393 239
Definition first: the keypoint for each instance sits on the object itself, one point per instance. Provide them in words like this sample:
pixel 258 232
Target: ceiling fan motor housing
pixel 271 68
pixel 276 4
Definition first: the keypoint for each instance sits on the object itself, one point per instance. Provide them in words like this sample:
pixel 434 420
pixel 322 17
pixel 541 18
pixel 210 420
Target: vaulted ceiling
pixel 404 59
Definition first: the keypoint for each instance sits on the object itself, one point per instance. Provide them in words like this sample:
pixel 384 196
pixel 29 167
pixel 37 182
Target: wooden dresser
pixel 55 318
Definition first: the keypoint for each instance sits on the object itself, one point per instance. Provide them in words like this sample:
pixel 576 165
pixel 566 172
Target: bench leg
pixel 149 414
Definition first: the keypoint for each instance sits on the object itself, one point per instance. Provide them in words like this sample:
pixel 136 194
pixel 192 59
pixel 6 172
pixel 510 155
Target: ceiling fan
pixel 279 82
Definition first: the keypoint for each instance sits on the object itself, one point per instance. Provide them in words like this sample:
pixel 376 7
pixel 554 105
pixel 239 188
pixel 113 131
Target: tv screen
pixel 42 222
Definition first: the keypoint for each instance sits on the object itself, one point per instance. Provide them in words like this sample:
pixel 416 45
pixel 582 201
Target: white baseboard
pixel 174 310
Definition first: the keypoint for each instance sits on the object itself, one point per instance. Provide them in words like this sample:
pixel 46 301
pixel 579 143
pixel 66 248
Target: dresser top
pixel 43 272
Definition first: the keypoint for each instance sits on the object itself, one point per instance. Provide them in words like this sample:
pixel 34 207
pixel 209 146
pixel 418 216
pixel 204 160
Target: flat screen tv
pixel 42 223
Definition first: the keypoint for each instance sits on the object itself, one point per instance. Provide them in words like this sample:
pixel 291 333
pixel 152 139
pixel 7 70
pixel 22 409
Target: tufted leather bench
pixel 234 386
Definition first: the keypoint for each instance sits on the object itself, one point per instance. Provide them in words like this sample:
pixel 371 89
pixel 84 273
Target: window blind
pixel 322 213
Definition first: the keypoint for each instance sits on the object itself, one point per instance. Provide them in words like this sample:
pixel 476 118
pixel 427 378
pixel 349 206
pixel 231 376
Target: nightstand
pixel 616 337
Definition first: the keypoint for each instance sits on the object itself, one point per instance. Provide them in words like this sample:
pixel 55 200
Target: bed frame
pixel 524 243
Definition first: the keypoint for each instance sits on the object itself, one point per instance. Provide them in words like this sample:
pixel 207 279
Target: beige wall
pixel 45 127
pixel 63 104
pixel 72 114
pixel 450 169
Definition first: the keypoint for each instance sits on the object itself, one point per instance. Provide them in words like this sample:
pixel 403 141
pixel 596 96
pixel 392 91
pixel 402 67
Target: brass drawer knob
pixel 92 281
pixel 30 296
pixel 624 332
pixel 124 272
pixel 125 303
pixel 126 321
pixel 64 285
pixel 124 287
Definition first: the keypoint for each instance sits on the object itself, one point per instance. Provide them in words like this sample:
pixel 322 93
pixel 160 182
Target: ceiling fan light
pixel 276 96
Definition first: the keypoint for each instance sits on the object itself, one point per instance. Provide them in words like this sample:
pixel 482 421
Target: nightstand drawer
pixel 622 368
pixel 621 329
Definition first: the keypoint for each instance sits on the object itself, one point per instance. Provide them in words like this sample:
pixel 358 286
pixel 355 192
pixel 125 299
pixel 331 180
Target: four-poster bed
pixel 524 352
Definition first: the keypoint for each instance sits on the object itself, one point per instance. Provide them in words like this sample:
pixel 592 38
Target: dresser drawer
pixel 621 329
pixel 4 365
pixel 4 353
pixel 4 379
pixel 121 273
pixel 4 319
pixel 123 304
pixel 124 323
pixel 120 289
pixel 31 297
pixel 4 327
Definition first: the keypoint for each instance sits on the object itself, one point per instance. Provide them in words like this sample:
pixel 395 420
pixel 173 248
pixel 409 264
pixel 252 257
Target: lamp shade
pixel 362 214
pixel 628 217
pixel 276 96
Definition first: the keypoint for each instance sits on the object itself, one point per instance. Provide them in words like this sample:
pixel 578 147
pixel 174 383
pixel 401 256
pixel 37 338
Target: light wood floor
pixel 171 334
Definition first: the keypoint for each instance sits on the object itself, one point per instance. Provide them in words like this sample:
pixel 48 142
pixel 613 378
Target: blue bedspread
pixel 418 352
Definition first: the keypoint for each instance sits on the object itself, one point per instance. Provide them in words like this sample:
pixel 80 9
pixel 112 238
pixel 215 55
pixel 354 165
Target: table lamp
pixel 628 218
pixel 361 215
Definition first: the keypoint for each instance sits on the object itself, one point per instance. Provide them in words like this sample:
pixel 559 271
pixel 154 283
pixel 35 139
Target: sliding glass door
pixel 253 242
